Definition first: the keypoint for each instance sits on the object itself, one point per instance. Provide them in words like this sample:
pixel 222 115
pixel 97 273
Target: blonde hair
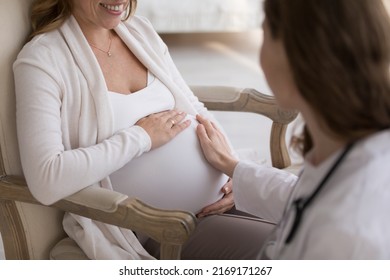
pixel 48 15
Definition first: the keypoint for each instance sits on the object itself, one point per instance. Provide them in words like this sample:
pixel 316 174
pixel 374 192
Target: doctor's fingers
pixel 228 187
pixel 211 138
pixel 221 206
pixel 211 130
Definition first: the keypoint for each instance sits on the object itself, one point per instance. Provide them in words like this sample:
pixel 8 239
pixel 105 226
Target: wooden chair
pixel 30 230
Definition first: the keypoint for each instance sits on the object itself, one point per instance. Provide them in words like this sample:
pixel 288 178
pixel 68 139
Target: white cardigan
pixel 65 124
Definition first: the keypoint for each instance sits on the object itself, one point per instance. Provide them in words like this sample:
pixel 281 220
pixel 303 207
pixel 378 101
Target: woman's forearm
pixel 55 163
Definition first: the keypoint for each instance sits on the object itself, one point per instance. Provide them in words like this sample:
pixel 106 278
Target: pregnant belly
pixel 174 176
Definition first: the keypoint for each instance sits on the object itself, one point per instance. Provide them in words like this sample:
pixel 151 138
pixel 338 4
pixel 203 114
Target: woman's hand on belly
pixel 221 206
pixel 164 126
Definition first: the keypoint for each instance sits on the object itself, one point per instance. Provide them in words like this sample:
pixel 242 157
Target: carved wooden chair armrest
pixel 170 228
pixel 221 98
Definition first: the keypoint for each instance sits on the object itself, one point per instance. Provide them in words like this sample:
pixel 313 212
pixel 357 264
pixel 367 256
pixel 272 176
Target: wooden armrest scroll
pixel 170 228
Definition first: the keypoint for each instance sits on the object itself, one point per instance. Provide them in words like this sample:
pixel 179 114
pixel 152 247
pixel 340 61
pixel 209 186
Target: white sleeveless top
pixel 173 176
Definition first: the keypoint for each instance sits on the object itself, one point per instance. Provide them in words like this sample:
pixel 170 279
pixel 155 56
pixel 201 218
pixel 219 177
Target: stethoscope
pixel 301 204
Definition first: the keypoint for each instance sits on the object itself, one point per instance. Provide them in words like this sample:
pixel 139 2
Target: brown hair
pixel 339 53
pixel 48 15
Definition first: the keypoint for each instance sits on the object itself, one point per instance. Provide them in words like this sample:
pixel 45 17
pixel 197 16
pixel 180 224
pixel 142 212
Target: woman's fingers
pixel 164 126
pixel 172 117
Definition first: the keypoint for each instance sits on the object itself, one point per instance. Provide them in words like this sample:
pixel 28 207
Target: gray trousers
pixel 223 237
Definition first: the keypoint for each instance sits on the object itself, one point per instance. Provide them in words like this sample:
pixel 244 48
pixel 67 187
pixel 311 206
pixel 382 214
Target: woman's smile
pixel 117 9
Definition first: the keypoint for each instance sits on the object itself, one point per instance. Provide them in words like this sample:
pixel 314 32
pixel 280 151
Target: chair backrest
pixel 28 231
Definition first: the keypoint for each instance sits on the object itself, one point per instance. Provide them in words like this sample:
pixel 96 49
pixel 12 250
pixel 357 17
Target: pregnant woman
pixel 100 103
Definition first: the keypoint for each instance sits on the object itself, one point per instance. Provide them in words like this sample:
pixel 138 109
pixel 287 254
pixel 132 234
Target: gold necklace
pixel 108 52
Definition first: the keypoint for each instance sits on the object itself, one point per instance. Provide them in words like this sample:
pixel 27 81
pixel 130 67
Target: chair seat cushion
pixel 67 249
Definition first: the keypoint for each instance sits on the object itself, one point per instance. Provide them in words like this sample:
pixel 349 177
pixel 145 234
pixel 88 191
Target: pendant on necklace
pixel 109 54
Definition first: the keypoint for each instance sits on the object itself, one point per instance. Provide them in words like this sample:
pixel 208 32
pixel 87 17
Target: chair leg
pixel 170 252
pixel 14 240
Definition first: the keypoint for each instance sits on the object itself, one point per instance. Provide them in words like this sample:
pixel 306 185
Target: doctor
pixel 330 60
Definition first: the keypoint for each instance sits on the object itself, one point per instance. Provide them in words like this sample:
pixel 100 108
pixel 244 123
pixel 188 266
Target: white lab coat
pixel 347 220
